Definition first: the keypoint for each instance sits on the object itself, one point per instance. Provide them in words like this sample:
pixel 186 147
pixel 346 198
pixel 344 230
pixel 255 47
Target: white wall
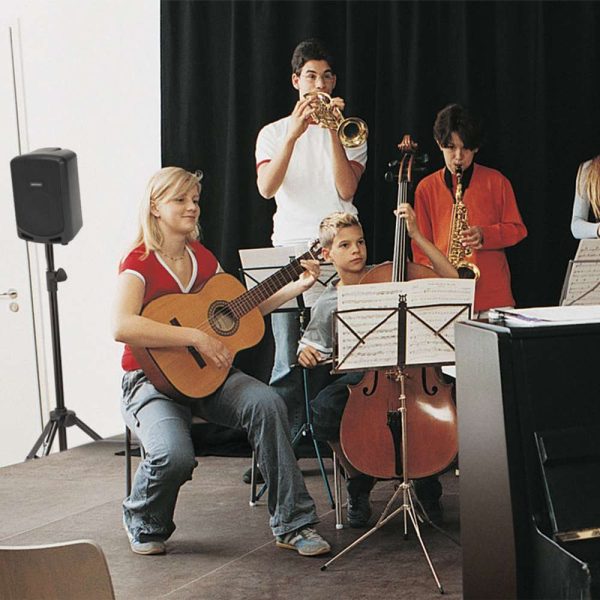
pixel 91 72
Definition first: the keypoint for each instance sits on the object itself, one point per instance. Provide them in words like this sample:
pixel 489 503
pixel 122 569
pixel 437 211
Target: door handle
pixel 10 294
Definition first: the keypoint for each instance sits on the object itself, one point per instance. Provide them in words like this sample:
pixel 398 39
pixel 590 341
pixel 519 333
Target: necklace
pixel 173 258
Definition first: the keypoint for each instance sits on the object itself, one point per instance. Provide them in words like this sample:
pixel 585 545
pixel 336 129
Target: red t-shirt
pixel 491 205
pixel 158 279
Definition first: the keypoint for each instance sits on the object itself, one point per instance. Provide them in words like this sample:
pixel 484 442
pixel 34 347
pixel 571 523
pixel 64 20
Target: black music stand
pixel 255 269
pixel 396 419
pixel 60 417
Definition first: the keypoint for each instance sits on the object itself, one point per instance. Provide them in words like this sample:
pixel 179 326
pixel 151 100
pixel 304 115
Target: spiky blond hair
pixel 331 224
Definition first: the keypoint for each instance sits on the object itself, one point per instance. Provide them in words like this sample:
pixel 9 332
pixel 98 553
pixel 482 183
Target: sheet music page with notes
pixel 588 250
pixel 582 285
pixel 367 335
pixel 437 304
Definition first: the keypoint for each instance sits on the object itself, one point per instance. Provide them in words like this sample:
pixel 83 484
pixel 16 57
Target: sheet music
pixel 260 263
pixel 588 250
pixel 382 348
pixel 367 337
pixel 582 284
pixel 551 315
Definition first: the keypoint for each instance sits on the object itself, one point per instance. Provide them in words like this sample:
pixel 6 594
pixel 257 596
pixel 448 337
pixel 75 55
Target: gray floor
pixel 223 548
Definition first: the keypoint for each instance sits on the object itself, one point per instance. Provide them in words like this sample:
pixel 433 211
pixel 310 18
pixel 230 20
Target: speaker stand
pixel 60 418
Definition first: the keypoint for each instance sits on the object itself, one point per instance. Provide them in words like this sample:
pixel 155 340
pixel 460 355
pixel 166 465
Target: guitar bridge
pixel 195 354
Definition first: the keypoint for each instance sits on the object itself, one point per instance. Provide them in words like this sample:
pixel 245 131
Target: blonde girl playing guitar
pixel 167 258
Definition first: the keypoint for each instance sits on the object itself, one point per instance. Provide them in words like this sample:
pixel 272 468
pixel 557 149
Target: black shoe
pixel 434 511
pixel 429 492
pixel 247 476
pixel 359 506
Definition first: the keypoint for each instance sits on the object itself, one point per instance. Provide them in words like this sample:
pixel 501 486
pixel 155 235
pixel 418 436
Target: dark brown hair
pixel 455 118
pixel 312 49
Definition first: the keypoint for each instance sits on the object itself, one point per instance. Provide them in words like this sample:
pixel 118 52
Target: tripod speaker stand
pixel 60 417
pixel 48 210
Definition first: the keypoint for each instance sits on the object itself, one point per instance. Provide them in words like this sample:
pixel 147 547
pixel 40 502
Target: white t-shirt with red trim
pixel 308 193
pixel 159 279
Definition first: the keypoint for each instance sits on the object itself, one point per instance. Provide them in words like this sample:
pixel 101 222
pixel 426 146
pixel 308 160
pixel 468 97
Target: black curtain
pixel 531 69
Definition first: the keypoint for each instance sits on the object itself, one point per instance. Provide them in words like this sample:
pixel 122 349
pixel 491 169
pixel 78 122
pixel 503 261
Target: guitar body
pixel 183 373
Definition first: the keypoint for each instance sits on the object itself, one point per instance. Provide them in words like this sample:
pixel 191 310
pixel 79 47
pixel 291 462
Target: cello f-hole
pixel 434 388
pixel 366 391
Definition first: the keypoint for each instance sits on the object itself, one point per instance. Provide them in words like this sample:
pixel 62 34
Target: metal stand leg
pixel 127 461
pixel 405 488
pixel 307 429
pixel 254 495
pixel 337 488
pixel 60 418
pixel 128 455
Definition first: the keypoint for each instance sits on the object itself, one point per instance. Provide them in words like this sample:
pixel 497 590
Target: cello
pixel 372 435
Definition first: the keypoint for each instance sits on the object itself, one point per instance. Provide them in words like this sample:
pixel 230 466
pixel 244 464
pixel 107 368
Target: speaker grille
pixel 46 194
pixel 39 209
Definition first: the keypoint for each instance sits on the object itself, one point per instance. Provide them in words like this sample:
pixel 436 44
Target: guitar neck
pixel 265 289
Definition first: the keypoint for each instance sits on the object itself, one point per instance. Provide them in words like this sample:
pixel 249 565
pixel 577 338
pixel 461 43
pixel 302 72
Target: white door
pixel 20 406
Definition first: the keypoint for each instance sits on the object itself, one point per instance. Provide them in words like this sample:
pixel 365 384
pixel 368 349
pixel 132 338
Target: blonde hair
pixel 331 224
pixel 167 184
pixel 588 184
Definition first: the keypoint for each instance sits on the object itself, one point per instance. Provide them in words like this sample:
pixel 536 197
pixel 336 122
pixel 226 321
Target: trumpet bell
pixel 353 132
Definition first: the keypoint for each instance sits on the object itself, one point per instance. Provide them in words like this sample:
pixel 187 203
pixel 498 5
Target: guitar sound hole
pixel 222 319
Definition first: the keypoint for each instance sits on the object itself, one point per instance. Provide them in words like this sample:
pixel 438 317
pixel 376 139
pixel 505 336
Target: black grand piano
pixel 529 455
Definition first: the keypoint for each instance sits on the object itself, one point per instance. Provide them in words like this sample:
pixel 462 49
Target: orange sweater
pixel 491 205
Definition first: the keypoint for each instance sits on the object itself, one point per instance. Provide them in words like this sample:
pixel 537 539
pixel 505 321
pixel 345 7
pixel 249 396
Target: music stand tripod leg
pixel 407 507
pixel 407 502
pixel 337 486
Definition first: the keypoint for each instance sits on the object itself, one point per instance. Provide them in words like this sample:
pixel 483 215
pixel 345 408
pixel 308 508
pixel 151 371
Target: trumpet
pixel 457 253
pixel 352 131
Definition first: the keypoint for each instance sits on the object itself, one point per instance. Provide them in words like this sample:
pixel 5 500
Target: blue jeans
pixel 329 404
pixel 163 427
pixel 285 379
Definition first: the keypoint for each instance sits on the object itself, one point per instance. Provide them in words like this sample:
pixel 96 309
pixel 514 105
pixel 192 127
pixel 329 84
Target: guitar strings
pixel 245 301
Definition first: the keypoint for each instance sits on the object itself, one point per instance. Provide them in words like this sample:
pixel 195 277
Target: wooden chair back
pixel 65 571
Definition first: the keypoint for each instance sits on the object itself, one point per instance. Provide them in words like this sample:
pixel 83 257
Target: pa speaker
pixel 46 194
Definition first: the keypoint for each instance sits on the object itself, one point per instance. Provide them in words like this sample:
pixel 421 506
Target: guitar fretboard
pixel 265 289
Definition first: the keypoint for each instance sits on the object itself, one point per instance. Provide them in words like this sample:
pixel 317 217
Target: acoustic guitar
pixel 223 309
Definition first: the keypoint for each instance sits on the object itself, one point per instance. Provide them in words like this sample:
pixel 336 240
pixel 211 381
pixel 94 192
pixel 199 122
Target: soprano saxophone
pixel 457 253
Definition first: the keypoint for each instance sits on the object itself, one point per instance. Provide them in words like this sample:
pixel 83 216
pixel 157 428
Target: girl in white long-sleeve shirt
pixel 587 195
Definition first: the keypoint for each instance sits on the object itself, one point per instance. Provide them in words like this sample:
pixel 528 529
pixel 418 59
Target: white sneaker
pixel 306 541
pixel 154 547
